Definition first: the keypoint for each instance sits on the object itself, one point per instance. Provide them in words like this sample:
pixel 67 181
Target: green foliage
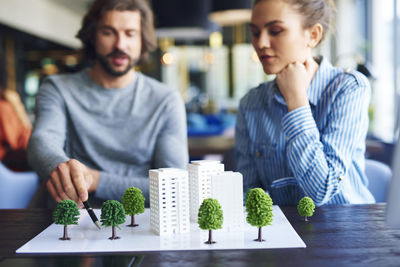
pixel 66 213
pixel 258 207
pixel 112 213
pixel 133 201
pixel 306 207
pixel 210 215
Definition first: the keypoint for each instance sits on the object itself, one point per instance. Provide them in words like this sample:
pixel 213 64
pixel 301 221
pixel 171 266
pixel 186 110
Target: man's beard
pixel 105 63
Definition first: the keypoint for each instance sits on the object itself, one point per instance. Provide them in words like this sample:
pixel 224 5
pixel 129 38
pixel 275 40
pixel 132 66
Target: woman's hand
pixel 293 82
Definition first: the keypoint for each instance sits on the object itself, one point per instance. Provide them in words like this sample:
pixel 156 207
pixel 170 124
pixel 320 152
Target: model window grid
pixel 168 201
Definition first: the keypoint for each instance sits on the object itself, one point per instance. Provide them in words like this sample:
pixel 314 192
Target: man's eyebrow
pixel 251 25
pixel 108 27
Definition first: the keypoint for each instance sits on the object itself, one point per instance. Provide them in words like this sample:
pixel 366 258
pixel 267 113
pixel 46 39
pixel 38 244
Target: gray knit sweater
pixel 121 132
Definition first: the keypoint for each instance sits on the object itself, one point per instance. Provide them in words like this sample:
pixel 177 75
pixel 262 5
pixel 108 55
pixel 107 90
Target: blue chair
pixel 16 188
pixel 379 176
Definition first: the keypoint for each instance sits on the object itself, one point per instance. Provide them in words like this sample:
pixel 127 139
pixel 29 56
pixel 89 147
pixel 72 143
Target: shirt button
pixel 258 154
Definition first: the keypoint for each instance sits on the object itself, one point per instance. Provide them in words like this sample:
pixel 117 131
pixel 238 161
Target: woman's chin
pixel 271 70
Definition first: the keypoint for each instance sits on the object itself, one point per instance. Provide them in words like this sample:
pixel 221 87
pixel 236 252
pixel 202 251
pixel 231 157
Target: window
pixel 384 62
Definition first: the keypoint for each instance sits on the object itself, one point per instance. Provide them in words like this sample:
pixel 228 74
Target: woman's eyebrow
pixel 251 25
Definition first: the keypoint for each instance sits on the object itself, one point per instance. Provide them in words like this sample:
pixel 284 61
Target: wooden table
pixel 201 146
pixel 345 235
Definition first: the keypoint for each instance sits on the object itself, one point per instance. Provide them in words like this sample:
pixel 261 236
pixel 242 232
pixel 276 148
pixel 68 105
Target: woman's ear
pixel 315 35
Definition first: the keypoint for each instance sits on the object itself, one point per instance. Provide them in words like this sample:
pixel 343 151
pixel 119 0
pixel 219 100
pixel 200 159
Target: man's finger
pixel 79 181
pixel 66 182
pixel 55 180
pixel 52 191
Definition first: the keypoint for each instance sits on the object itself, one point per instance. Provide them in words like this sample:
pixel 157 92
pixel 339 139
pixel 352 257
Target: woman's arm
pixel 13 98
pixel 319 159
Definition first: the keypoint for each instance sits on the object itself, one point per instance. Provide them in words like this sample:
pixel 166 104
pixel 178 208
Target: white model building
pixel 200 172
pixel 227 188
pixel 169 201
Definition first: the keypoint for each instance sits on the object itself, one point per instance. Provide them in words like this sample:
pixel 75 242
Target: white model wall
pixel 200 172
pixel 227 188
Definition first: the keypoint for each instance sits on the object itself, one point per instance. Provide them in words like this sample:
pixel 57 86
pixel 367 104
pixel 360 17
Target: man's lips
pixel 119 60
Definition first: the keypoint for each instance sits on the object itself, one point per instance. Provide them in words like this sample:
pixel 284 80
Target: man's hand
pixel 293 82
pixel 72 180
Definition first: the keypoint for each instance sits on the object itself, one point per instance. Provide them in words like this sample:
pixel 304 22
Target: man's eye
pixel 131 33
pixel 106 32
pixel 255 34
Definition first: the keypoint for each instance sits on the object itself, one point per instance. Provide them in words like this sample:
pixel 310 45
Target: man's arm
pixel 65 178
pixel 46 146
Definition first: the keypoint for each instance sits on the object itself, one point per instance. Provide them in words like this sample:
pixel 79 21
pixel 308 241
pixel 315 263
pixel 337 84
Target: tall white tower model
pixel 227 188
pixel 200 172
pixel 169 201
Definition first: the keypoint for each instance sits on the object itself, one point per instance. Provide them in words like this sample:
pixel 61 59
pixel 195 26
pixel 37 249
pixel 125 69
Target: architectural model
pixel 169 201
pixel 200 172
pixel 227 188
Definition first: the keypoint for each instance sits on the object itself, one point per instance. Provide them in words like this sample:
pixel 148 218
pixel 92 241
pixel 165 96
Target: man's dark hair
pixel 89 24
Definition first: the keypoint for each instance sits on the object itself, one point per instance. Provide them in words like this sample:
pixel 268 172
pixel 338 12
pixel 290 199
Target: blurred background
pixel 205 53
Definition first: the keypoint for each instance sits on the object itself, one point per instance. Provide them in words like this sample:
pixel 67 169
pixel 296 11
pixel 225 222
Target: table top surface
pixel 336 235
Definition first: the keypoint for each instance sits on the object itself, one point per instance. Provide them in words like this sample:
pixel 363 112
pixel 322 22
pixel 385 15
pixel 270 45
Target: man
pixel 100 130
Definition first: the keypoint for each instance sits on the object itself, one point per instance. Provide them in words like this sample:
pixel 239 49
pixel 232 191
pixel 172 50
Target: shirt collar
pixel 321 79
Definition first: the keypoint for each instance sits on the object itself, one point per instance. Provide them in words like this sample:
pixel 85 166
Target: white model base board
pixel 86 238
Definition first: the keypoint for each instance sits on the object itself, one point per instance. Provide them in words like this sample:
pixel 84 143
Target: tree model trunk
pixel 65 236
pixel 210 241
pixel 259 239
pixel 133 222
pixel 114 235
pixel 305 219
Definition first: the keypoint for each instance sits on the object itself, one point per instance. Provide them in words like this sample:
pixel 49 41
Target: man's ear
pixel 315 35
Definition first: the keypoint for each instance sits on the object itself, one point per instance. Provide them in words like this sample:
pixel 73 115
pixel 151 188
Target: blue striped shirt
pixel 316 150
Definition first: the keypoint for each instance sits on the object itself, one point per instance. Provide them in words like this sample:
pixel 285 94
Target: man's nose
pixel 121 42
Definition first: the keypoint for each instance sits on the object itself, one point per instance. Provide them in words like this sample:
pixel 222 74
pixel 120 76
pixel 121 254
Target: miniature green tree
pixel 210 217
pixel 259 210
pixel 133 202
pixel 66 213
pixel 306 207
pixel 112 214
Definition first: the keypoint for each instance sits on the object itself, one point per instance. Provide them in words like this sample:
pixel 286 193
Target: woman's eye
pixel 255 34
pixel 275 31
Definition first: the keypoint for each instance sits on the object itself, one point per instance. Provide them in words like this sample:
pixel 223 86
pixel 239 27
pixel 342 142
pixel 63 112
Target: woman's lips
pixel 266 58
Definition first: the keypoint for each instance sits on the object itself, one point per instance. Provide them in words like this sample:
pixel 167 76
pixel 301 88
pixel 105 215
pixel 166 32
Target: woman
pixel 302 134
pixel 15 131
